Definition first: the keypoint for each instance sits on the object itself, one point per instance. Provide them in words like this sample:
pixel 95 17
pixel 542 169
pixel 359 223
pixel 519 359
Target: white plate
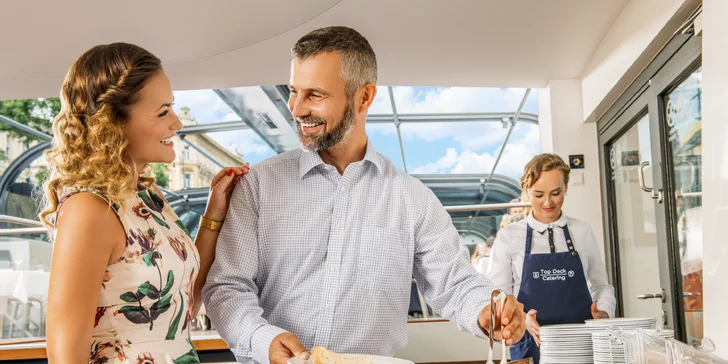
pixel 375 359
pixel 619 321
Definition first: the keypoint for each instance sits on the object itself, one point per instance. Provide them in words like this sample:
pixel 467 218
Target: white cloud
pixel 231 116
pixel 411 100
pixel 515 156
pixel 443 164
pixel 381 104
pixel 205 106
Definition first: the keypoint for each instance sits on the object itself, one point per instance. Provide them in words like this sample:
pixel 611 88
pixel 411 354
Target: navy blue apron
pixel 554 285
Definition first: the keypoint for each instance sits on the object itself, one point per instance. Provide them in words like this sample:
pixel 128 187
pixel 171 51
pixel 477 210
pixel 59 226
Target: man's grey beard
pixel 328 139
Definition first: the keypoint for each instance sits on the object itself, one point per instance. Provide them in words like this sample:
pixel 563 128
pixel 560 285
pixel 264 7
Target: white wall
pixel 563 132
pixel 634 29
pixel 715 171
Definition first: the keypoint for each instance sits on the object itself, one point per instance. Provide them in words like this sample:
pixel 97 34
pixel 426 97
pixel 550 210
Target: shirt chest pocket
pixel 386 256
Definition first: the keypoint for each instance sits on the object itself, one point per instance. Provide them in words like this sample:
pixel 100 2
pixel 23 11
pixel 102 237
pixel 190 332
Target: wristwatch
pixel 210 224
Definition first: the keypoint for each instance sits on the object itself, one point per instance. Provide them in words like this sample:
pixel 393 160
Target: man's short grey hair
pixel 358 61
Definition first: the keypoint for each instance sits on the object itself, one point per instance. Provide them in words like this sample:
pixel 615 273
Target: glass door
pixel 681 124
pixel 631 210
pixel 635 238
pixel 651 161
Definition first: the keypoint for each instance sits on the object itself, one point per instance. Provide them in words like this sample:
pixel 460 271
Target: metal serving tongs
pixel 495 297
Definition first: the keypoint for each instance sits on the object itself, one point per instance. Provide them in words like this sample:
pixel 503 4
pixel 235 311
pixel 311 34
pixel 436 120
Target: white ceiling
pixel 226 43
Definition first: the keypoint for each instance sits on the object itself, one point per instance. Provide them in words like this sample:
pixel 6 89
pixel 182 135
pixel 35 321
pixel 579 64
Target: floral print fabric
pixel 145 304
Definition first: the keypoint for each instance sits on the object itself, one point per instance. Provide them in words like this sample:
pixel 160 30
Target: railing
pixel 36 227
pixel 485 207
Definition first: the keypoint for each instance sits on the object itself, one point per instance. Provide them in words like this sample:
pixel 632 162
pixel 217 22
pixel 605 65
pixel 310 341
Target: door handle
pixel 656 194
pixel 646 296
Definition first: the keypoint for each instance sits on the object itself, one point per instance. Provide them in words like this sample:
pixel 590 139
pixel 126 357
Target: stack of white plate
pixel 624 323
pixel 567 344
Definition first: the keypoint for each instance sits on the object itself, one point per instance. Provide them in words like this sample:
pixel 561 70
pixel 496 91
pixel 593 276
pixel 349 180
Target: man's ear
pixel 366 97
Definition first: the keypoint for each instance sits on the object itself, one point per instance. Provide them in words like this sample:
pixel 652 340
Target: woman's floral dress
pixel 144 307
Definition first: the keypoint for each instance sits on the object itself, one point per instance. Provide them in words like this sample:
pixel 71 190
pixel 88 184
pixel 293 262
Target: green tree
pixel 35 113
pixel 160 174
pixel 41 175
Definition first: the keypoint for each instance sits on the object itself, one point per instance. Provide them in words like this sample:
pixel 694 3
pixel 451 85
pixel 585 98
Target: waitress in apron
pixel 549 261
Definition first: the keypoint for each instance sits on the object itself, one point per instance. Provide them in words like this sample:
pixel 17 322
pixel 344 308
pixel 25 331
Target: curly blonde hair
pixel 89 142
pixel 542 163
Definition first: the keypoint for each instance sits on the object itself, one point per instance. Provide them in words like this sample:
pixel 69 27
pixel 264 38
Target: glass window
pixel 468 131
pixel 383 137
pixel 439 100
pixel 245 144
pixel 202 107
pixel 683 111
pixel 382 104
pixel 188 181
pixel 186 153
pixel 469 147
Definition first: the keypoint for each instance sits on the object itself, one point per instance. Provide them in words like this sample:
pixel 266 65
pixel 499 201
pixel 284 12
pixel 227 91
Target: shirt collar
pixel 541 227
pixel 311 160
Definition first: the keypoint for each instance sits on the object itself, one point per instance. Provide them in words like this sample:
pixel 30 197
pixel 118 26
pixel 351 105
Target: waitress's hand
pixel 221 188
pixel 533 327
pixel 512 317
pixel 596 314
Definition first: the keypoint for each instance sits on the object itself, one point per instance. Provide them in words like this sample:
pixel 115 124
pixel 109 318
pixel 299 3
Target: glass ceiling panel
pixel 381 104
pixel 531 105
pixel 205 106
pixel 383 137
pixel 468 147
pixel 441 100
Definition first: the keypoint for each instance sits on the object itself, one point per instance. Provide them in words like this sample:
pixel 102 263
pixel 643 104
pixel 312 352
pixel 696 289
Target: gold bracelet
pixel 210 224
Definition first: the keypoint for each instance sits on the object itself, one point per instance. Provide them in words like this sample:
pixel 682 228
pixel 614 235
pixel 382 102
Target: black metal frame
pixel 16 167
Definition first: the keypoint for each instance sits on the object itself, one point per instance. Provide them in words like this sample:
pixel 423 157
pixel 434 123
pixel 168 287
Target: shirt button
pixel 326 308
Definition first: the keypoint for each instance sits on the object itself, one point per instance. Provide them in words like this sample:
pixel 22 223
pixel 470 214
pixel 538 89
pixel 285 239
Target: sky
pixel 435 147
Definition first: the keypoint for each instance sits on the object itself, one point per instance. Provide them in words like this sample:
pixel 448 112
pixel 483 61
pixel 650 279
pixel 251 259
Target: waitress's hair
pixel 90 146
pixel 542 163
pixel 524 198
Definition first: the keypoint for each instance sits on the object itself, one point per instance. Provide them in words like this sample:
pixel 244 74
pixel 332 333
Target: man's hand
pixel 596 314
pixel 512 317
pixel 286 346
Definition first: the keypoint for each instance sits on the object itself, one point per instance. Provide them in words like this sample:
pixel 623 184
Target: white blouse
pixel 506 258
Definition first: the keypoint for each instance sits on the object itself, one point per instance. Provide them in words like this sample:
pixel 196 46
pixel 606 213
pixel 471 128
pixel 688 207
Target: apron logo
pixel 553 274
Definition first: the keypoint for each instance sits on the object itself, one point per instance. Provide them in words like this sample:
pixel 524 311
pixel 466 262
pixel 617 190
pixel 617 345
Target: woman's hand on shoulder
pixel 221 188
